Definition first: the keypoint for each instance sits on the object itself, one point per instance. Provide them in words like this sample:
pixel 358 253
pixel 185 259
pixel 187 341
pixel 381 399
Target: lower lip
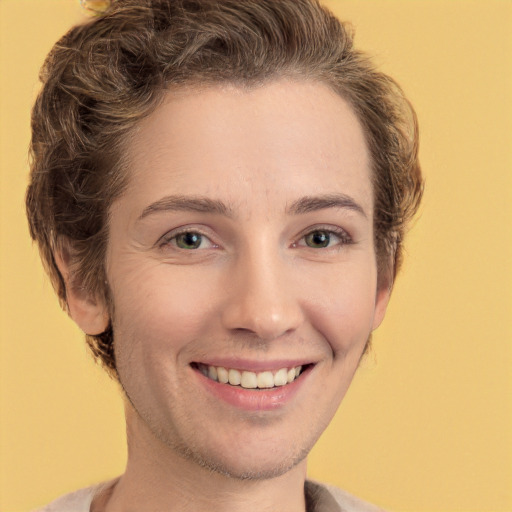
pixel 254 399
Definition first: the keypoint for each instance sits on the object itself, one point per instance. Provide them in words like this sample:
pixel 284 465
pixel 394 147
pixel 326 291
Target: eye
pixel 325 238
pixel 188 240
pixel 318 239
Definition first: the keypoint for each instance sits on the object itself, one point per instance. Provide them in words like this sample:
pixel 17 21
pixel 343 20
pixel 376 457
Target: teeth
pixel 265 380
pixel 235 377
pixel 222 375
pixel 212 372
pixel 251 380
pixel 281 377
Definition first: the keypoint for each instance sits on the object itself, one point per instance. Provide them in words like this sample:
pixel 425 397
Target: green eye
pixel 189 240
pixel 318 239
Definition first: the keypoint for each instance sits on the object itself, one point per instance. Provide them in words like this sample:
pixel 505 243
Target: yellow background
pixel 427 425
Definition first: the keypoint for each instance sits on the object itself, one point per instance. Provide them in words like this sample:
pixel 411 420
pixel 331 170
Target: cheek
pixel 158 309
pixel 344 308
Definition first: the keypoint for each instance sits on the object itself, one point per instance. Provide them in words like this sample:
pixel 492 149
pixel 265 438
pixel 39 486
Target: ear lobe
pixel 381 304
pixel 384 288
pixel 88 311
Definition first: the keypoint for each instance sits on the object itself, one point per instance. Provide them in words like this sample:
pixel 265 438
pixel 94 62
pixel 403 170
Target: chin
pixel 240 469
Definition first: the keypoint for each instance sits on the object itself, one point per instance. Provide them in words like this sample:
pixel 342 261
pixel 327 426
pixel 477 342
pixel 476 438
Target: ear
pixel 88 311
pixel 384 287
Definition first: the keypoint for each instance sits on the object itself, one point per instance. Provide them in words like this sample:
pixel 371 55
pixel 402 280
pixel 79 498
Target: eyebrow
pixel 313 203
pixel 206 205
pixel 187 203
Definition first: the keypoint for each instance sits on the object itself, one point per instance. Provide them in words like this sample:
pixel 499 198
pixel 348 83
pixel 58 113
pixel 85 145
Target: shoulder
pixel 78 501
pixel 327 498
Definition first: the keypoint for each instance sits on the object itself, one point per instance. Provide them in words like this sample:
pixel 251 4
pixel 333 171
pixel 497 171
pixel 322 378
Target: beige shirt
pixel 319 498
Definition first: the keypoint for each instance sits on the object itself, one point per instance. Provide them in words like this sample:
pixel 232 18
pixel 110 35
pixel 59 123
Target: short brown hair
pixel 104 76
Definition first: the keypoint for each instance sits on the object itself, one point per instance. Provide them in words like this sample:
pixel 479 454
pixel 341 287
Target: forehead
pixel 281 140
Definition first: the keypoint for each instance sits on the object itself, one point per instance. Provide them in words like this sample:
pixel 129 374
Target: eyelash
pixel 341 234
pixel 171 237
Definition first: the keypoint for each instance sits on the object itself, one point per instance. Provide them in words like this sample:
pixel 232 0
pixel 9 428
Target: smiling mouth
pixel 251 380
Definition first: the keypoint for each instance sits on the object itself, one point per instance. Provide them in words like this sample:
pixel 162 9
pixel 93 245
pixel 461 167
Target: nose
pixel 262 298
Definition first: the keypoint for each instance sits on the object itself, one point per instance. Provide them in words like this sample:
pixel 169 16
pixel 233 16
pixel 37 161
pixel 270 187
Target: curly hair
pixel 105 75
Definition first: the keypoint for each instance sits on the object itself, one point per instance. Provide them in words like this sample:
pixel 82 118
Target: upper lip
pixel 254 365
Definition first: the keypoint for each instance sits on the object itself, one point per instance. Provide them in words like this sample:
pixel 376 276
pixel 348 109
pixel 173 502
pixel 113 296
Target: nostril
pixel 261 336
pixel 264 323
pixel 251 337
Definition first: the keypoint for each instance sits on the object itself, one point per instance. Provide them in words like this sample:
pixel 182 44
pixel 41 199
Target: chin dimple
pixel 250 380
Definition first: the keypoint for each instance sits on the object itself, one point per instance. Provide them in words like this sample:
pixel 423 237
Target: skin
pixel 255 288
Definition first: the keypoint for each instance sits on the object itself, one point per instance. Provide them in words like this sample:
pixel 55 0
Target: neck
pixel 159 478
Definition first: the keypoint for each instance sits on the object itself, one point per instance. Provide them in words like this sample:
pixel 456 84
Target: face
pixel 242 251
